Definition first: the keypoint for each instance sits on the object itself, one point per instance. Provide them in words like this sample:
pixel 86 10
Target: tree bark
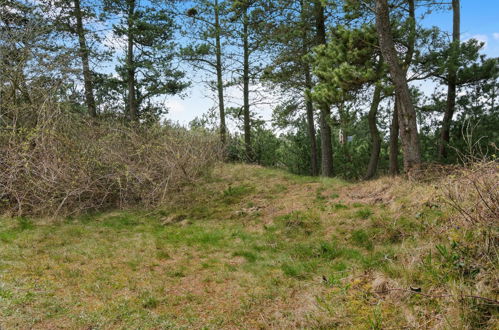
pixel 394 141
pixel 132 102
pixel 246 105
pixel 326 143
pixel 325 111
pixel 314 157
pixel 314 162
pixel 84 56
pixel 407 114
pixel 451 80
pixel 375 137
pixel 220 86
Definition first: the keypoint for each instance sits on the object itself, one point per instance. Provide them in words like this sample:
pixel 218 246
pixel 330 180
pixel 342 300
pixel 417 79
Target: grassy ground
pixel 249 248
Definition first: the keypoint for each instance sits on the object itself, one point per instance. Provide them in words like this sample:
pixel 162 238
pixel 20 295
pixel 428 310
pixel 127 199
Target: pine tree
pixel 290 41
pixel 71 18
pixel 349 62
pixel 325 110
pixel 249 24
pixel 147 68
pixel 407 113
pixel 206 48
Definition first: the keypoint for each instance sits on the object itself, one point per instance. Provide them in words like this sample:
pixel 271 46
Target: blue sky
pixel 479 20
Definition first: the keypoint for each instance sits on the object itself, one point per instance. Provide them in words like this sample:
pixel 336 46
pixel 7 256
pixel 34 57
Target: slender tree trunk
pixel 132 102
pixel 407 113
pixel 220 86
pixel 314 157
pixel 246 105
pixel 325 111
pixel 87 74
pixel 451 80
pixel 326 143
pixel 375 137
pixel 394 140
pixel 344 123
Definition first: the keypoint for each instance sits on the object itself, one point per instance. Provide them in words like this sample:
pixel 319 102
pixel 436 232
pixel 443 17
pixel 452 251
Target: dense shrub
pixel 66 164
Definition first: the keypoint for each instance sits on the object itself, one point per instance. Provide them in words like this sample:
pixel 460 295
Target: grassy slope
pixel 249 248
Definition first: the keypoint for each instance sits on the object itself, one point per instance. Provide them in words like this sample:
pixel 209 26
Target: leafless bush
pixel 66 164
pixel 474 192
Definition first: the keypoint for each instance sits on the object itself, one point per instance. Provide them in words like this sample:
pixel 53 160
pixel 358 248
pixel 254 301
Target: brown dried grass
pixel 67 164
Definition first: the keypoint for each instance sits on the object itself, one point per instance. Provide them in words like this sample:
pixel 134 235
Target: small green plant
pixel 456 258
pixel 340 206
pixel 375 321
pixel 234 194
pixel 249 256
pixel 150 302
pixel 328 251
pixel 299 220
pixel 296 270
pixel 363 213
pixel 278 188
pixel 163 255
pixel 319 197
pixel 24 223
pixel 333 280
pixel 176 273
pixel 361 238
pixel 339 266
pixel 120 221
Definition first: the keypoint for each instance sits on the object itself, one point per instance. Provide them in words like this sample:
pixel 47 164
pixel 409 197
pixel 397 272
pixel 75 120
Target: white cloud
pixel 481 37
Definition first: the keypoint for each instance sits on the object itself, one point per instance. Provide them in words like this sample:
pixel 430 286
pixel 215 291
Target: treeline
pixel 362 86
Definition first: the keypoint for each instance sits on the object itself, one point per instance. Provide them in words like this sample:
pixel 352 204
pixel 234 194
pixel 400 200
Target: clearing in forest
pixel 249 248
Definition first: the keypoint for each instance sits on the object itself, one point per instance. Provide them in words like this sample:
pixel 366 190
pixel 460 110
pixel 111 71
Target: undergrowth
pixel 65 164
pixel 251 247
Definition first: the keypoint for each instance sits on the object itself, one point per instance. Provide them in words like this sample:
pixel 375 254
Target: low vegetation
pixel 249 247
pixel 65 164
pixel 113 216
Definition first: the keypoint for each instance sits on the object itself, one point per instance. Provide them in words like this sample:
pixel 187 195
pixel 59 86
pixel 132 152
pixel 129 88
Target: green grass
pixel 362 239
pixel 303 260
pixel 364 213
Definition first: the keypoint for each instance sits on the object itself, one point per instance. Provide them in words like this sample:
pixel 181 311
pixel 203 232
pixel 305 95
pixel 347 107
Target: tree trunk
pixel 326 144
pixel 220 86
pixel 246 105
pixel 132 102
pixel 394 140
pixel 87 74
pixel 451 80
pixel 407 114
pixel 375 138
pixel 314 157
pixel 325 111
pixel 344 130
pixel 314 162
